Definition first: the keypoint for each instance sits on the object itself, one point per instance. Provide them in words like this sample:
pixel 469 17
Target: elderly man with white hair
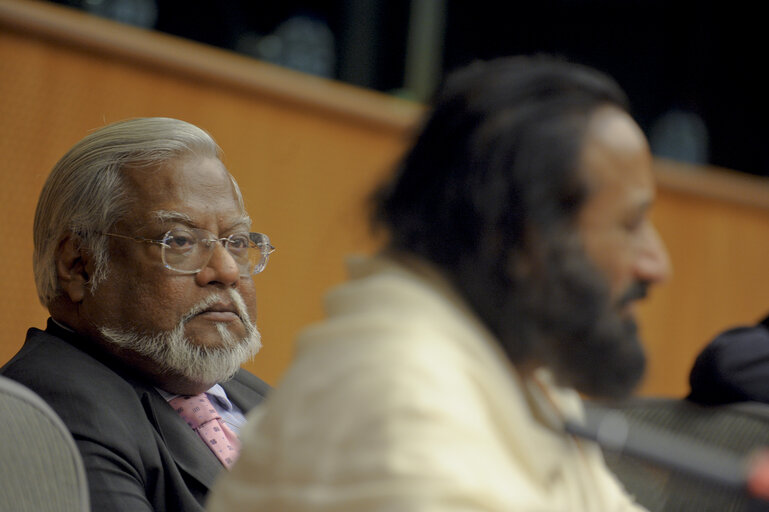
pixel 144 257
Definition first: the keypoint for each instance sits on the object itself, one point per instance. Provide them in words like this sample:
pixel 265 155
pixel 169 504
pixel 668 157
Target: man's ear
pixel 519 265
pixel 72 268
pixel 526 259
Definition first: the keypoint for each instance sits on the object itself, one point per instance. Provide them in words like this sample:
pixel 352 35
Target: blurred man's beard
pixel 585 337
pixel 555 310
pixel 174 353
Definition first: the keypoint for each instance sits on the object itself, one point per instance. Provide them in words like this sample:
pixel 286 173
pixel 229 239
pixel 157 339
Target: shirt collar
pixel 61 325
pixel 216 392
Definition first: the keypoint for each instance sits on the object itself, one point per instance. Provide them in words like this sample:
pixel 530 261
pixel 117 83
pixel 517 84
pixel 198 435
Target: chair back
pixel 40 467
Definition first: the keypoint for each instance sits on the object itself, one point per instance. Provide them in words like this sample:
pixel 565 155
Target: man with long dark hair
pixel 519 244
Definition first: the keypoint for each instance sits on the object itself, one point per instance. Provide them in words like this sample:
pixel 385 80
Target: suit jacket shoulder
pixel 138 453
pixel 733 367
pixel 246 390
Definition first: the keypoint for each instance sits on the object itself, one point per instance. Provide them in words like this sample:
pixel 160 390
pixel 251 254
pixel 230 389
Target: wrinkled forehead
pixel 171 217
pixel 185 190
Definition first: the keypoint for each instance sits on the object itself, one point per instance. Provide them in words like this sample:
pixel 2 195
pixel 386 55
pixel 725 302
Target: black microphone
pixel 611 431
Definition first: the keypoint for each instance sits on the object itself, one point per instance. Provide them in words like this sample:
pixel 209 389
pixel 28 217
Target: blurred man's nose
pixel 653 263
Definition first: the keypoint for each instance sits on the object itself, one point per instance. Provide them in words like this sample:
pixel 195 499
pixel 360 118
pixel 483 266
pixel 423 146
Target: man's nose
pixel 653 263
pixel 221 268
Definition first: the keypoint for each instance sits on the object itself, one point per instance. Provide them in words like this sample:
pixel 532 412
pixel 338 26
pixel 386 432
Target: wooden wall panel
pixel 719 248
pixel 306 151
pixel 304 168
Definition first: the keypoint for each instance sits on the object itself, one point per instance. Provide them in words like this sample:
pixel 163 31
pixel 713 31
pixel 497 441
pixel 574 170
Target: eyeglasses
pixel 188 250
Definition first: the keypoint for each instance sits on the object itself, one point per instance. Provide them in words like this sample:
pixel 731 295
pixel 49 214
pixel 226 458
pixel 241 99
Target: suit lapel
pixel 186 448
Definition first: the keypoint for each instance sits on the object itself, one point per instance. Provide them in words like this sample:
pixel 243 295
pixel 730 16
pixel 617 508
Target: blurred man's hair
pixel 494 175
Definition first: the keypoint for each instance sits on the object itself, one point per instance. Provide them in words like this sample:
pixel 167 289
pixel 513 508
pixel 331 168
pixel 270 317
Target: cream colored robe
pixel 403 401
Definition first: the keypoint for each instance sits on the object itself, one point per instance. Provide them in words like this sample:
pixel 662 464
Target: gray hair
pixel 85 194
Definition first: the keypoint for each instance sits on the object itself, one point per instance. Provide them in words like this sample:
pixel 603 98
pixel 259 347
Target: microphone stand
pixel 613 432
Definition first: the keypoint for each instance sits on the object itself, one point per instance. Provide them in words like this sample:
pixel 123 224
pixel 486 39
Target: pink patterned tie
pixel 200 414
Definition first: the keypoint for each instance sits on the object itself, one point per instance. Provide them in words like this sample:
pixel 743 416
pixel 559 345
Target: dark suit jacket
pixel 734 367
pixel 139 454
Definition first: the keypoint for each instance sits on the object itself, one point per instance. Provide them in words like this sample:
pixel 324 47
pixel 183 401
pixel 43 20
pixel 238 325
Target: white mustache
pixel 234 297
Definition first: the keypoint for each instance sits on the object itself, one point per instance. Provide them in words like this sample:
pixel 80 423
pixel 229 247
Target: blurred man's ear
pixel 71 268
pixel 519 265
pixel 528 258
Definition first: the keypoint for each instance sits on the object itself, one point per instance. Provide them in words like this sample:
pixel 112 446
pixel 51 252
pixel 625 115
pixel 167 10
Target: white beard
pixel 174 353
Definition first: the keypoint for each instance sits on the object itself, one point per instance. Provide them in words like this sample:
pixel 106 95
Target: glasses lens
pixel 182 251
pixel 188 250
pixel 239 246
pixel 260 251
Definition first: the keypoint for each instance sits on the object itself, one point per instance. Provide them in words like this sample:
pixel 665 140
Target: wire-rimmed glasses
pixel 188 250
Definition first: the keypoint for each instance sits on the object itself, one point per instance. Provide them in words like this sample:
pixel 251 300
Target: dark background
pixel 703 59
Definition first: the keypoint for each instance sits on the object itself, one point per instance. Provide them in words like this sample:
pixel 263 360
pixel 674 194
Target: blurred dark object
pixel 733 367
pixel 140 13
pixel 679 55
pixel 689 67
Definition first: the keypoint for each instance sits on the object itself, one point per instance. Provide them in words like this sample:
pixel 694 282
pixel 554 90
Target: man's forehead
pixel 615 128
pixel 178 217
pixel 615 163
pixel 183 189
pixel 615 152
pixel 183 172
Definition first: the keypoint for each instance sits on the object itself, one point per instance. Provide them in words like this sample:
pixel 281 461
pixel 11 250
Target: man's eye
pixel 180 241
pixel 238 242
